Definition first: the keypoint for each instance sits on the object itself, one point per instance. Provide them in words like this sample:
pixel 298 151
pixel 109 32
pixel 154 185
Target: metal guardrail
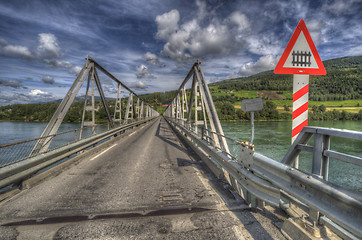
pixel 14 172
pixel 320 149
pixel 19 151
pixel 268 179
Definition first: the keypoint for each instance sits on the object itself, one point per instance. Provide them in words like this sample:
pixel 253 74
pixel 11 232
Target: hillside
pixel 338 95
pixel 342 82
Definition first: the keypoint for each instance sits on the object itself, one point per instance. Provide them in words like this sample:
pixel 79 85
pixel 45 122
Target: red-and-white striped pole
pixel 300 105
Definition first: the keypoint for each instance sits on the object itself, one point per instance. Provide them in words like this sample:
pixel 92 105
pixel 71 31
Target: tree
pixel 322 108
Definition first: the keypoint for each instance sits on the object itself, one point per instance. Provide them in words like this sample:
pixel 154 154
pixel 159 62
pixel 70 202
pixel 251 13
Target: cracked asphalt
pixel 146 185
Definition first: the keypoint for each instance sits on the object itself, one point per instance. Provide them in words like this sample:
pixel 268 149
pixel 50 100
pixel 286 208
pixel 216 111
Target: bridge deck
pixel 143 186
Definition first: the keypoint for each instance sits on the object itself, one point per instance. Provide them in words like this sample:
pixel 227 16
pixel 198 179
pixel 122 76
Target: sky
pixel 150 45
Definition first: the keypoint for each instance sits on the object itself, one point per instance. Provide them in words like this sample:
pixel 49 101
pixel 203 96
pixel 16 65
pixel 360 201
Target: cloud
pixel 6 99
pixel 355 51
pixel 37 95
pixel 202 11
pixel 338 7
pixel 153 59
pixel 109 86
pixel 190 40
pixel 167 24
pixel 137 85
pixel 17 84
pixel 48 52
pixel 264 44
pixel 315 28
pixel 58 64
pixel 264 63
pixel 37 92
pixel 48 80
pixel 144 72
pixel 48 46
pixel 75 70
pixel 34 96
pixel 14 51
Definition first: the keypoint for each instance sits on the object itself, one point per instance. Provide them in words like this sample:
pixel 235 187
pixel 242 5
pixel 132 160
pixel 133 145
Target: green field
pixel 215 92
pixel 345 103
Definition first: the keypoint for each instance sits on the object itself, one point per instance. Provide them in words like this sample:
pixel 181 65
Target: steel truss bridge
pixel 142 175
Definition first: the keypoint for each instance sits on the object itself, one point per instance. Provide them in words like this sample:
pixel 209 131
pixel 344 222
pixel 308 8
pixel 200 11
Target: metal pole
pixel 252 127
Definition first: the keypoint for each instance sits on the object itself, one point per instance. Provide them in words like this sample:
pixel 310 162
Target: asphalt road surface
pixel 144 185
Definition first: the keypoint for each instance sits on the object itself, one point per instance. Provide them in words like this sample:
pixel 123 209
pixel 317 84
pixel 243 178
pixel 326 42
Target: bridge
pixel 145 176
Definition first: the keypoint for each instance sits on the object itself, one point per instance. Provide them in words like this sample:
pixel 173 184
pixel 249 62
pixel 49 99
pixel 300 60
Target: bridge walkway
pixel 144 185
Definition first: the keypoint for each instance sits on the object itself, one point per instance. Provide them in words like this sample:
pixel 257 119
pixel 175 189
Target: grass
pixel 288 95
pixel 161 109
pixel 283 102
pixel 345 103
pixel 241 93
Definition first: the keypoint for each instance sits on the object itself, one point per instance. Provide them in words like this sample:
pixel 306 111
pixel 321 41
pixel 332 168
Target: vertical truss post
pixel 142 109
pixel 147 111
pixel 173 108
pixel 118 106
pixel 87 107
pixel 178 107
pixel 138 109
pixel 208 110
pixel 184 104
pixel 129 109
pixel 191 98
pixel 196 105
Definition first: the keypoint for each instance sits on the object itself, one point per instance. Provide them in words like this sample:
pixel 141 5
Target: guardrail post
pixel 320 162
pixel 248 198
pixel 317 154
pixel 325 159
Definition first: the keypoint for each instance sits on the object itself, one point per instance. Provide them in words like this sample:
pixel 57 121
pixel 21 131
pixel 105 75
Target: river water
pixel 271 139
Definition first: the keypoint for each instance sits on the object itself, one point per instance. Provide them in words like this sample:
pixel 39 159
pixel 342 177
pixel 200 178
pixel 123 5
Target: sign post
pixel 252 105
pixel 301 59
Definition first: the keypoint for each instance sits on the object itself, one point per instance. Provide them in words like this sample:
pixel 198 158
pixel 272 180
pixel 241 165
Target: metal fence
pixel 25 166
pixel 18 151
pixel 263 179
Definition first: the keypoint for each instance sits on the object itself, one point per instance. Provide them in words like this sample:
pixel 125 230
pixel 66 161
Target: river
pixel 271 139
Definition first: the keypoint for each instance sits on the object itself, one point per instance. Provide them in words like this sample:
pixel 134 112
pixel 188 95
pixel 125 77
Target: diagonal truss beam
pixel 89 70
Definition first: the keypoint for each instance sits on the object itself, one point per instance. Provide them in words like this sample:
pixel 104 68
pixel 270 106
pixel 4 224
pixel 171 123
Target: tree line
pixel 342 82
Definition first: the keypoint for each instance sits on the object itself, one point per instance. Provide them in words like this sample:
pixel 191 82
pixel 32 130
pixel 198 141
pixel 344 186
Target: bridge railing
pixel 69 145
pixel 262 179
pixel 18 151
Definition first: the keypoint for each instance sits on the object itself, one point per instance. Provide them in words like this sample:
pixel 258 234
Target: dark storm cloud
pixel 48 80
pixel 12 83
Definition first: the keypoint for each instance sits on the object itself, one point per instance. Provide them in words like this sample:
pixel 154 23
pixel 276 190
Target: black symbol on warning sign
pixel 302 58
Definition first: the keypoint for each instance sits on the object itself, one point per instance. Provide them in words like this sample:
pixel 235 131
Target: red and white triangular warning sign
pixel 300 56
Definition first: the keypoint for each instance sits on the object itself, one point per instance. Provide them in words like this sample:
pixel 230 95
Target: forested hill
pixel 342 82
pixel 338 95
